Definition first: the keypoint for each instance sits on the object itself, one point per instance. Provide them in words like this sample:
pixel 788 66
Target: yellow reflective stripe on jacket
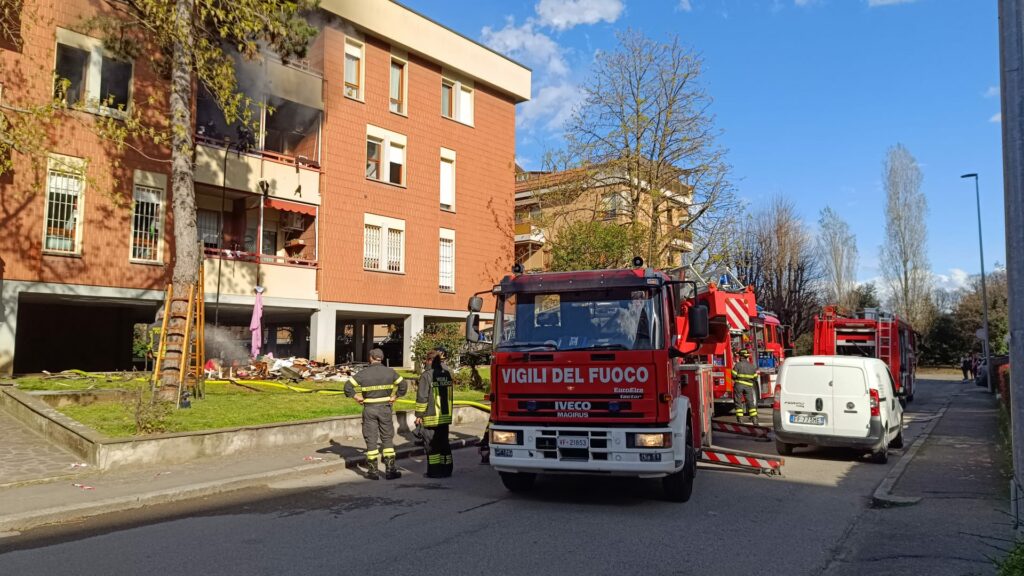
pixel 376 388
pixel 421 407
pixel 356 386
pixel 380 400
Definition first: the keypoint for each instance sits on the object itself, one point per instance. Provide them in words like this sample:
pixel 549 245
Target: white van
pixel 841 401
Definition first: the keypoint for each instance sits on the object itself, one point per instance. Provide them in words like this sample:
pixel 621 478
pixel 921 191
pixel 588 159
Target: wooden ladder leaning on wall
pixel 191 375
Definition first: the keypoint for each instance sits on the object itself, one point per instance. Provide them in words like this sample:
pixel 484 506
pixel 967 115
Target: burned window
pixel 72 69
pixel 292 129
pixel 87 74
pixel 115 83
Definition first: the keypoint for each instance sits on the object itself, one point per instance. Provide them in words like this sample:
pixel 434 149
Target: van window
pixel 803 379
pixel 848 381
pixel 892 383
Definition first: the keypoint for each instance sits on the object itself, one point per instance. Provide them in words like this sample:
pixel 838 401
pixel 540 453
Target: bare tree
pixel 777 257
pixel 837 251
pixel 904 258
pixel 644 132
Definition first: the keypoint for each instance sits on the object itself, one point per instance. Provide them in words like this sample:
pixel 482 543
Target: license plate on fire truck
pixel 813 419
pixel 573 442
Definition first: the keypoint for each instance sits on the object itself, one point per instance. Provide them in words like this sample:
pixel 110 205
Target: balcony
pixel 282 277
pixel 527 233
pixel 287 178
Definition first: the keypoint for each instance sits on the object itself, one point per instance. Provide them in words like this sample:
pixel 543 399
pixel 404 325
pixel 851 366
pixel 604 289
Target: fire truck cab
pixel 587 376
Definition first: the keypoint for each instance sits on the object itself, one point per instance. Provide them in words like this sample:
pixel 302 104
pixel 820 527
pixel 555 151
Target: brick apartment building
pixel 547 202
pixel 376 198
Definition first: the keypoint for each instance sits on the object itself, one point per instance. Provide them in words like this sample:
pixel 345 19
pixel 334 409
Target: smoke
pixel 224 343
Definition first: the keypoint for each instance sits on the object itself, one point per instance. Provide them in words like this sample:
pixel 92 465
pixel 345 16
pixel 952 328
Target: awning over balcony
pixel 287 206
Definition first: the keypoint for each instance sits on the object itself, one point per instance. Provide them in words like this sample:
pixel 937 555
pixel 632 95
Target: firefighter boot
pixel 371 469
pixel 391 468
pixel 753 420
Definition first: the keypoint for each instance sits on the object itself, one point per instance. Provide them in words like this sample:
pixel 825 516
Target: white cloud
pixel 550 107
pixel 525 43
pixel 564 14
pixel 992 92
pixel 996 118
pixel 955 280
pixel 685 6
pixel 874 3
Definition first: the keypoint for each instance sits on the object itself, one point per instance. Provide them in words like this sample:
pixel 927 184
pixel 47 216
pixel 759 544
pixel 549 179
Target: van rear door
pixel 851 403
pixel 806 397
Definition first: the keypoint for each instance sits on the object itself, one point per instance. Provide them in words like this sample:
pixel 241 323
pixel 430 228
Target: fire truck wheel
pixel 678 487
pixel 782 448
pixel 517 481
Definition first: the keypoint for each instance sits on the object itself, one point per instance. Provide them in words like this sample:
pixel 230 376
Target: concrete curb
pixel 883 496
pixel 20 522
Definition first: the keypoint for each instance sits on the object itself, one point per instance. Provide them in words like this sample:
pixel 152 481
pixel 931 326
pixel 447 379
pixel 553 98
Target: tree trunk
pixel 186 241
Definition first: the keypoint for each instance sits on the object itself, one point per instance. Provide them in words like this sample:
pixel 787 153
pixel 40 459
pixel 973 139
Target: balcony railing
pixel 240 256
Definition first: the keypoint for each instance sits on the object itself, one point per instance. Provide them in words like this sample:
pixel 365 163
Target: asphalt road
pixel 736 523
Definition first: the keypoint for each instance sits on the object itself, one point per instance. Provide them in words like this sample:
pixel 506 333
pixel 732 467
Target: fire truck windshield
pixel 607 319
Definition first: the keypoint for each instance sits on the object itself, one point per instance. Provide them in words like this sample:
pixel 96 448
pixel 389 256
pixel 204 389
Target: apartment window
pixel 457 100
pixel 373 153
pixel 446 261
pixel 147 213
pixel 64 184
pixel 208 223
pixel 398 80
pixel 87 75
pixel 354 69
pixel 447 104
pixel 396 163
pixel 269 238
pixel 385 156
pixel 447 179
pixel 383 243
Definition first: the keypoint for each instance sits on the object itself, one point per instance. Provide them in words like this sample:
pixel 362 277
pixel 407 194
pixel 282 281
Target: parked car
pixel 839 401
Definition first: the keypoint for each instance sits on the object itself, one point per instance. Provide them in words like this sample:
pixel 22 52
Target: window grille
pixel 64 189
pixel 446 278
pixel 394 250
pixel 371 246
pixel 146 223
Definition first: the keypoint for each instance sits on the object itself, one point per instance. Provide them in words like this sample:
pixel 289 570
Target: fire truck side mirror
pixel 473 327
pixel 698 327
pixel 476 304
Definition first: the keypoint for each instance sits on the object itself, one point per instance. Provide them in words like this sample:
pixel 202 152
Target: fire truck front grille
pixel 546 445
pixel 581 454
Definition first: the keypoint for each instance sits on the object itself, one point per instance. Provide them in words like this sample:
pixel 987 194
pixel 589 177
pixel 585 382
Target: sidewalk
pixel 26 456
pixel 961 523
pixel 91 493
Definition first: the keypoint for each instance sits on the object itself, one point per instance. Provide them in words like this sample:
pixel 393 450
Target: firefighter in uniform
pixel 744 385
pixel 377 387
pixel 434 402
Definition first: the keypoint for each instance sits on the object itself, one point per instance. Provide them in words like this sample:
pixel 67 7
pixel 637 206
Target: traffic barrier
pixel 742 429
pixel 758 463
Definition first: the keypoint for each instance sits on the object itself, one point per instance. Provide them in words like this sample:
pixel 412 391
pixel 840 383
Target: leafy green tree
pixel 594 245
pixel 944 343
pixel 449 335
pixel 968 314
pixel 865 296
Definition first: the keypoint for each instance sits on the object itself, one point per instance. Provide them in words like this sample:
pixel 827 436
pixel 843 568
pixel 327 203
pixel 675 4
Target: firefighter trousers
pixel 745 398
pixel 378 431
pixel 439 451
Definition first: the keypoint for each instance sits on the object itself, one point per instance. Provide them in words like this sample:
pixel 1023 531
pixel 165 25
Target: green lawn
pixel 96 381
pixel 227 405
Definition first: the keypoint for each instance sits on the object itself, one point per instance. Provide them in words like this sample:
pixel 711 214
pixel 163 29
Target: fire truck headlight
pixel 660 440
pixel 504 437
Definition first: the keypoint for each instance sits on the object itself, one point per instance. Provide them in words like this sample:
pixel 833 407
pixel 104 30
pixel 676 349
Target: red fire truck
pixel 748 327
pixel 596 372
pixel 871 333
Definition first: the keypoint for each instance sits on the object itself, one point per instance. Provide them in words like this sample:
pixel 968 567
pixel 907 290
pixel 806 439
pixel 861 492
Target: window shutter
pixel 447 184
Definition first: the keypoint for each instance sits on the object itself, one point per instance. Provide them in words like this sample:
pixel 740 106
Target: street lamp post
pixel 984 293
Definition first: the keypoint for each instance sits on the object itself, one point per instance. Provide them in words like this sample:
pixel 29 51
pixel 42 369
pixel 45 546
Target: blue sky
pixel 809 94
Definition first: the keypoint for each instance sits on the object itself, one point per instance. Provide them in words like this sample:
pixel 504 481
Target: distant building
pixel 376 198
pixel 547 202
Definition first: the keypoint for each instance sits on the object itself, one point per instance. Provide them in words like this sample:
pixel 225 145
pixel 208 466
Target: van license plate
pixel 573 442
pixel 812 419
pixel 503 452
